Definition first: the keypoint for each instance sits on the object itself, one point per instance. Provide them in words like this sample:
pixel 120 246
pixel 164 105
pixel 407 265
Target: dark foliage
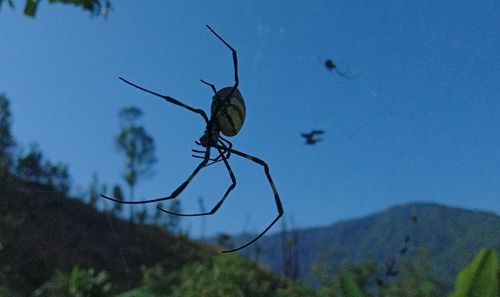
pixel 41 230
pixel 95 7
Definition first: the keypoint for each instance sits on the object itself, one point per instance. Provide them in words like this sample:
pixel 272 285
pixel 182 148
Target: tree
pixel 118 194
pixel 33 167
pixel 289 240
pixel 95 7
pixel 29 167
pixel 142 216
pixel 138 147
pixel 173 222
pixel 224 240
pixel 58 177
pixel 201 204
pixel 94 190
pixel 158 214
pixel 7 142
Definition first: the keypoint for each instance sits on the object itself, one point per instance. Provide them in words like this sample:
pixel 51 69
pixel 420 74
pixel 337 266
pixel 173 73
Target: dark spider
pixel 391 265
pixel 331 66
pixel 227 116
pixel 310 136
pixel 391 269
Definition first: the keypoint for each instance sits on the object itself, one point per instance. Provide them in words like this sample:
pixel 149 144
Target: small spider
pixel 226 117
pixel 331 66
pixel 310 140
pixel 391 269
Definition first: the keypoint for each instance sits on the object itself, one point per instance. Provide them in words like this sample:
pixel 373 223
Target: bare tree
pixel 289 240
pixel 201 204
pixel 7 142
pixel 138 147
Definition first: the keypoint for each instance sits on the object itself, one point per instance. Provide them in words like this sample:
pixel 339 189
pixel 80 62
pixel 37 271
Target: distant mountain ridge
pixel 452 236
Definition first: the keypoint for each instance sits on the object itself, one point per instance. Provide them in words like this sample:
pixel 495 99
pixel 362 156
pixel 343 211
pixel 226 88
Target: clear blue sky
pixel 421 123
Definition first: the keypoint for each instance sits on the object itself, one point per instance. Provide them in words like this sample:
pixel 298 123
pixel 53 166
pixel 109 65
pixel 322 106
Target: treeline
pixel 132 141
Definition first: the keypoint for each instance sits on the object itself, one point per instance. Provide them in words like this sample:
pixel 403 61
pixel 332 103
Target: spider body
pixel 229 112
pixel 330 65
pixel 227 116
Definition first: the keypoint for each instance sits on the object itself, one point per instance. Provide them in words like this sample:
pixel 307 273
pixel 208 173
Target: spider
pixel 227 116
pixel 331 66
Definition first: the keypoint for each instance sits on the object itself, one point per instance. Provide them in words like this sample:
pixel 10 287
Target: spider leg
pixel 174 193
pixel 228 153
pixel 198 151
pixel 221 201
pixel 276 195
pixel 170 99
pixel 217 159
pixel 345 74
pixel 235 61
pixel 212 86
pixel 229 145
pixel 201 157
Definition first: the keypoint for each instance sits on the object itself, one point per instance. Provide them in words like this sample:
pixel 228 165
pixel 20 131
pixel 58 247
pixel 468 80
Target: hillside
pixel 41 230
pixel 451 235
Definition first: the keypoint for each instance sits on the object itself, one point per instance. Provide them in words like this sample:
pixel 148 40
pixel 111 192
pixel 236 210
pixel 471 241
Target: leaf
pixel 90 5
pixel 479 278
pixel 30 7
pixel 349 287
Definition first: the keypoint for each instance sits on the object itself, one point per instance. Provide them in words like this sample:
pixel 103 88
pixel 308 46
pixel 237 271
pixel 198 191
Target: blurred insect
pixel 310 140
pixel 226 117
pixel 391 265
pixel 391 269
pixel 332 67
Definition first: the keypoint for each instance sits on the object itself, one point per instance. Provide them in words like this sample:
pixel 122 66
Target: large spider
pixel 227 116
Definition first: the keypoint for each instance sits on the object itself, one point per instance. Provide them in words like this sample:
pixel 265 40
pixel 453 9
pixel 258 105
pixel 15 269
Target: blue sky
pixel 420 123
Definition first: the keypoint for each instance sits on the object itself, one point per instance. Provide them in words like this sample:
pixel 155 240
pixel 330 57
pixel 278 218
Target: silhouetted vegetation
pixel 118 194
pixel 7 142
pixel 172 222
pixel 138 147
pixel 32 166
pixel 95 7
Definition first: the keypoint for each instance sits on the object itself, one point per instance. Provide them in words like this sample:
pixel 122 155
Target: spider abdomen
pixel 231 112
